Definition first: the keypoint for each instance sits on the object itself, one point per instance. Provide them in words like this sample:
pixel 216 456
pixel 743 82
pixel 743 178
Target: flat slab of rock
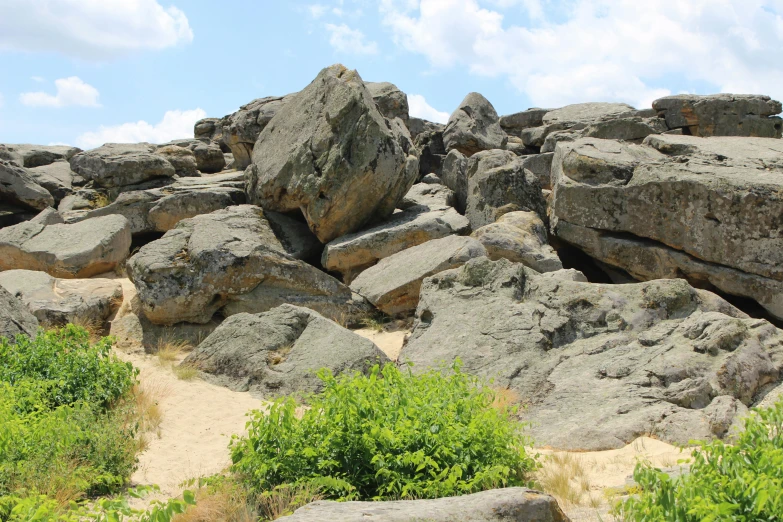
pixel 722 114
pixel 393 284
pixel 78 250
pixel 240 130
pixel 230 260
pixel 280 351
pixel 31 156
pixel 520 237
pixel 18 187
pixel 208 156
pixel 15 318
pixel 515 123
pixel 55 302
pixel 649 358
pixel 116 165
pixel 507 505
pixel 574 117
pixel 474 126
pixel 57 178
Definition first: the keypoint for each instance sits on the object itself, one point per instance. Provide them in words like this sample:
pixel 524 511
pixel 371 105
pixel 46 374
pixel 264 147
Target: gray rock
pixel 279 352
pixel 391 101
pixel 393 284
pixel 207 129
pixel 515 123
pixel 474 127
pixel 432 152
pixel 55 302
pixel 629 128
pixel 15 318
pixel 116 165
pixel 57 178
pixel 79 250
pixel 635 359
pixel 417 125
pixel 48 216
pixel 455 176
pixel 209 158
pixel 31 156
pixel 722 114
pixel 182 159
pixel 242 128
pixel 520 237
pixel 230 260
pixel 495 505
pixel 11 215
pixel 430 193
pixel 576 117
pixel 295 236
pixel 567 274
pixel 19 188
pixel 541 166
pixel 330 153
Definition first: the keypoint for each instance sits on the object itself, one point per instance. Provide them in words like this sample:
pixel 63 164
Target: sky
pixel 86 72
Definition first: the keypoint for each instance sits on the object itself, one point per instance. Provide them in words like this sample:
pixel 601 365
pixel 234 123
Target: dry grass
pixel 505 398
pixel 275 357
pixel 563 475
pixel 284 500
pixel 185 372
pixel 147 396
pixel 171 351
pixel 226 502
pixel 95 327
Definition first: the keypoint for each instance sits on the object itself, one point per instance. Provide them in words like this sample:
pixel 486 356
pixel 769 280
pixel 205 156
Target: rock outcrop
pixel 117 165
pixel 241 129
pixel 18 187
pixel 31 156
pixel 15 318
pixel 520 237
pixel 391 101
pixel 474 126
pixel 208 156
pixel 57 178
pixel 455 176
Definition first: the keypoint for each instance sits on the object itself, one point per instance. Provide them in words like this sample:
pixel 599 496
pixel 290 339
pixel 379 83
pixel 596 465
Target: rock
pixel 628 357
pixel 455 176
pixel 417 125
pixel 333 155
pixel 569 274
pixel 432 152
pixel 208 156
pixel 57 178
pixel 295 236
pixel 429 193
pixel 474 127
pixel 182 159
pixel 19 188
pixel 514 124
pixel 393 284
pixel 520 237
pixel 15 319
pixel 508 504
pixel 55 302
pixel 12 215
pixel 719 200
pixel 229 260
pixel 79 250
pixel 115 165
pixel 576 117
pixel 242 128
pixel 48 216
pixel 498 184
pixel 31 156
pixel 631 128
pixel 722 114
pixel 391 101
pixel 279 352
pixel 541 166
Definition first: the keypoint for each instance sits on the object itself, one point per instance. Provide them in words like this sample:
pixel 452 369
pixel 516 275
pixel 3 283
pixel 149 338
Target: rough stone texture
pixel 520 237
pixel 15 318
pixel 629 128
pixel 507 505
pixel 55 302
pixel 295 236
pixel 722 114
pixel 279 352
pixel 242 128
pixel 182 159
pixel 12 215
pixel 455 176
pixel 393 284
pixel 429 193
pixel 57 178
pixel 497 184
pixel 635 359
pixel 474 127
pixel 417 125
pixel 208 156
pixel 82 199
pixel 432 151
pixel 719 200
pixel 541 166
pixel 48 216
pixel 330 153
pixel 391 101
pixel 567 274
pixel 208 130
pixel 72 251
pixel 229 260
pixel 18 187
pixel 515 123
pixel 577 116
pixel 116 165
pixel 31 156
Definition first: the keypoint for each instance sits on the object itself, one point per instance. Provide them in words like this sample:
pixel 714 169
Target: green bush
pixel 739 482
pixel 387 435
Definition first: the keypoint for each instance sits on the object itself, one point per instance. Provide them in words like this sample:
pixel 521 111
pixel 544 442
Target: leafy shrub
pixel 387 435
pixel 739 482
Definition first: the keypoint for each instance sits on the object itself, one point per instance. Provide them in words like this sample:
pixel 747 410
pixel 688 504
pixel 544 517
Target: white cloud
pixel 70 91
pixel 419 108
pixel 175 125
pixel 612 50
pixel 317 10
pixel 91 29
pixel 37 79
pixel 347 40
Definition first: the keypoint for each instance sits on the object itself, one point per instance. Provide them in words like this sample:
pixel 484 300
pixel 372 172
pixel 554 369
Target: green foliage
pixel 739 482
pixel 387 435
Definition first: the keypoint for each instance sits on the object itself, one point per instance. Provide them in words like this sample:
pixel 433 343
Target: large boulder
pixel 331 154
pixel 393 284
pixel 78 250
pixel 57 178
pixel 208 156
pixel 15 318
pixel 514 124
pixel 18 187
pixel 55 302
pixel 520 237
pixel 242 128
pixel 391 101
pixel 182 159
pixel 280 351
pixel 455 176
pixel 574 117
pixel 31 156
pixel 474 127
pixel 719 200
pixel 541 166
pixel 722 114
pixel 495 505
pixel 116 165
pixel 656 358
pixel 230 260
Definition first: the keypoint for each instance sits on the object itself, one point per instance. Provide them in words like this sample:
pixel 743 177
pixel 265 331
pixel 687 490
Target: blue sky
pixel 87 71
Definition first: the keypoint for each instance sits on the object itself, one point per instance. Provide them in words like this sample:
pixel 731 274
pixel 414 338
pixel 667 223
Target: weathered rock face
pixel 474 127
pixel 72 251
pixel 229 260
pixel 242 128
pixel 57 178
pixel 279 352
pixel 627 128
pixel 393 284
pixel 507 505
pixel 657 357
pixel 55 302
pixel 719 200
pixel 722 114
pixel 497 184
pixel 31 156
pixel 331 154
pixel 391 101
pixel 520 237
pixel 19 188
pixel 432 151
pixel 541 166
pixel 115 165
pixel 15 318
pixel 455 176
pixel 417 125
pixel 208 156
pixel 514 124
pixel 182 159
pixel 208 130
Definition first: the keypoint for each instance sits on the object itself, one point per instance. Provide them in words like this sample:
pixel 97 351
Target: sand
pixel 390 342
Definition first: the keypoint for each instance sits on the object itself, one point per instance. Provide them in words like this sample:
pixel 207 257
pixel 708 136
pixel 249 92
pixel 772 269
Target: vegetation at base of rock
pixel 387 435
pixel 734 482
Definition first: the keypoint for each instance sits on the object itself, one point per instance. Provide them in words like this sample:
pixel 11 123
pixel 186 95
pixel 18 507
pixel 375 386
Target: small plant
pixel 387 435
pixel 185 372
pixel 564 476
pixel 169 352
pixel 275 357
pixel 376 321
